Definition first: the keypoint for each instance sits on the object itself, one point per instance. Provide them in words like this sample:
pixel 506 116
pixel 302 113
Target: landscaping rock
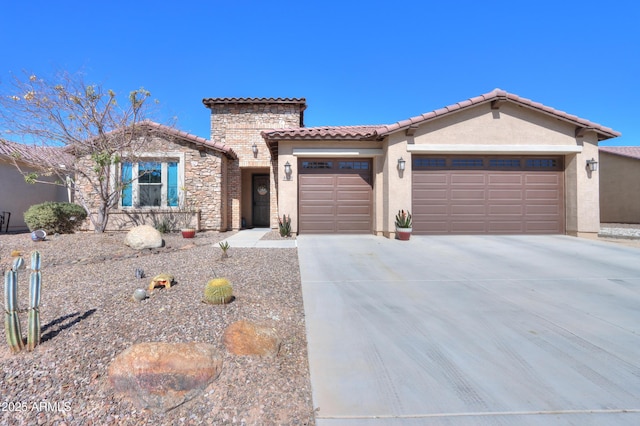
pixel 143 237
pixel 161 376
pixel 247 338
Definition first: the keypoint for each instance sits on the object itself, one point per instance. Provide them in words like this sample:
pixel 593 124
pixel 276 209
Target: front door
pixel 261 197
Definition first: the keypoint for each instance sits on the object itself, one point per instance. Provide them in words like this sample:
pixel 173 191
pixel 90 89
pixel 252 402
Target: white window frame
pixel 160 157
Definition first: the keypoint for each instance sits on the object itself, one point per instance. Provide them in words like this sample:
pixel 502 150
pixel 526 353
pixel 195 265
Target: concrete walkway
pixel 252 238
pixel 472 330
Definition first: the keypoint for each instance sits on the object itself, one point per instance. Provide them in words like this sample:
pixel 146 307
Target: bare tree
pixel 86 119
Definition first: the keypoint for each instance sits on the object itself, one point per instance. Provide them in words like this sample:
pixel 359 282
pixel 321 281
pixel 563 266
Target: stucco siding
pixel 619 189
pixel 16 196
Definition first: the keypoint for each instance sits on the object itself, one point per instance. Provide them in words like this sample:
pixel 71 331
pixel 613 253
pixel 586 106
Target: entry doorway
pixel 260 200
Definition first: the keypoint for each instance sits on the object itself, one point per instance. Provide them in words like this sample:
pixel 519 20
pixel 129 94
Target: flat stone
pixel 143 237
pixel 247 338
pixel 161 376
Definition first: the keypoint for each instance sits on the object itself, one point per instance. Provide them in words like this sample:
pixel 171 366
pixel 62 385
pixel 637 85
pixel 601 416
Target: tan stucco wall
pixel 16 196
pixel 619 189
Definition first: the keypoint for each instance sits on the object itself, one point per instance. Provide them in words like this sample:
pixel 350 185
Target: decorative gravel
pixel 89 317
pixel 620 230
pixel 275 235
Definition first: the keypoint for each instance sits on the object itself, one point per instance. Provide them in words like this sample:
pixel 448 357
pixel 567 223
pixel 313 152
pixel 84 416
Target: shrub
pixel 52 217
pixel 284 226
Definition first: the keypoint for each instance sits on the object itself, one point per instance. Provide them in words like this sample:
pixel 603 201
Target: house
pixel 620 184
pixel 492 164
pixel 16 195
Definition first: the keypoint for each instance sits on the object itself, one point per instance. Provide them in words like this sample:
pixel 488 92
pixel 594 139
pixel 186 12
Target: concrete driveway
pixel 472 330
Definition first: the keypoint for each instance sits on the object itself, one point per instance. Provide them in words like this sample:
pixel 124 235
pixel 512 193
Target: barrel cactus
pixel 218 291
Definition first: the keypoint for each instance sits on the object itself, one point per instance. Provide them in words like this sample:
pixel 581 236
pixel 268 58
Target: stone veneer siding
pixel 203 179
pixel 238 125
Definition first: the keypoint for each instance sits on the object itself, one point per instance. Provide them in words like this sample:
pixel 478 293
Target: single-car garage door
pixel 488 195
pixel 335 196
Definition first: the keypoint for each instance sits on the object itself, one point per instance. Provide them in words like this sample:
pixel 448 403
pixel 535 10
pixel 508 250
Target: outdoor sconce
pixel 592 165
pixel 287 171
pixel 401 164
pixel 254 149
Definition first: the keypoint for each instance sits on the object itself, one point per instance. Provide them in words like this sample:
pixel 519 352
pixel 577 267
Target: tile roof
pixel 37 155
pixel 625 151
pixel 226 150
pixel 380 131
pixel 325 133
pixel 211 101
pixel 498 95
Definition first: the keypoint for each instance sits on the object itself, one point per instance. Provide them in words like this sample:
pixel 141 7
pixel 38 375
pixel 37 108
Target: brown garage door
pixel 335 196
pixel 488 195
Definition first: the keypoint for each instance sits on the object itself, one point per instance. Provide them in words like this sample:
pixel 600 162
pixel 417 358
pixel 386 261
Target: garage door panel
pixel 362 210
pixel 467 194
pixel 467 209
pixel 349 195
pixel 543 194
pixel 505 194
pixel 317 209
pixel 432 179
pixel 468 227
pixel 506 227
pixel 488 201
pixel 464 179
pixel 505 179
pixel 513 209
pixel 542 179
pixel 318 195
pixel 430 194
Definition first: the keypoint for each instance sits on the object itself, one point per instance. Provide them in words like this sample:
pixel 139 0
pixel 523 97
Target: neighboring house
pixel 493 164
pixel 620 184
pixel 16 195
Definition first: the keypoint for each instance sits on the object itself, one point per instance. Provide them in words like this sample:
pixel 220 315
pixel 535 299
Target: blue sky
pixel 374 62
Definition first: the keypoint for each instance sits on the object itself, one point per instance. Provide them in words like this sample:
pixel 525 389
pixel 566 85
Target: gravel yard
pixel 88 317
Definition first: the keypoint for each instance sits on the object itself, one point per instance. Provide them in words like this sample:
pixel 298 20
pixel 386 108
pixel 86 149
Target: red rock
pixel 246 338
pixel 161 376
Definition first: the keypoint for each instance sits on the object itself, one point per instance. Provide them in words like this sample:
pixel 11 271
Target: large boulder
pixel 143 237
pixel 247 338
pixel 161 376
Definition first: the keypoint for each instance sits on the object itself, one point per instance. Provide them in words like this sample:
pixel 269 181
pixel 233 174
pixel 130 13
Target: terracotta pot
pixel 404 233
pixel 188 233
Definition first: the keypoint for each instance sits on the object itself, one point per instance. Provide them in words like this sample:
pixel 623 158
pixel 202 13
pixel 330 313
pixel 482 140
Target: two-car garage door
pixel 487 195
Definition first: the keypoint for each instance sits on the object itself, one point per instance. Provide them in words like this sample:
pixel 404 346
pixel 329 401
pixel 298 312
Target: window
pixel 317 164
pixel 466 162
pixel 419 163
pixel 504 162
pixel 355 165
pixel 149 184
pixel 542 163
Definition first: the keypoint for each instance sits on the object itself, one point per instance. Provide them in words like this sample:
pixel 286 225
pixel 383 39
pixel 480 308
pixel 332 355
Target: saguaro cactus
pixel 35 284
pixel 11 319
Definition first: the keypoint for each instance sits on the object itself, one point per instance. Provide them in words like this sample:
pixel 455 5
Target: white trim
pixel 337 152
pixel 495 149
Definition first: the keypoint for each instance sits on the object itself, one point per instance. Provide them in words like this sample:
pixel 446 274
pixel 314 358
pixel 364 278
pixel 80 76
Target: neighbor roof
pixel 625 151
pixel 188 137
pixel 380 131
pixel 56 157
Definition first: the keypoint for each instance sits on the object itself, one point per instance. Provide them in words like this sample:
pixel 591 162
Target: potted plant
pixel 185 217
pixel 403 225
